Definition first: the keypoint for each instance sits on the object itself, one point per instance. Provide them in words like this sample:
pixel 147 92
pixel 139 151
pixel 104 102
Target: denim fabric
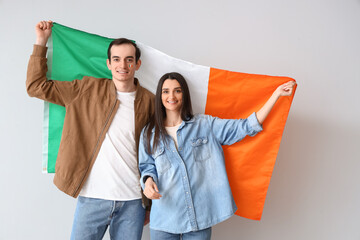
pixel 93 216
pixel 204 234
pixel 192 180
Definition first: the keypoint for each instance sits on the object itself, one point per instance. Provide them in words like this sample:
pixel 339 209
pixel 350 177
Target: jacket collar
pixel 139 89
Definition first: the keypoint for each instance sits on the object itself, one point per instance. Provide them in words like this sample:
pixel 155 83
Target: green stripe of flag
pixel 74 54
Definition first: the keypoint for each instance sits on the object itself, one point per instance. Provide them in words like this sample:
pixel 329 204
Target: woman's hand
pixel 151 191
pixel 285 89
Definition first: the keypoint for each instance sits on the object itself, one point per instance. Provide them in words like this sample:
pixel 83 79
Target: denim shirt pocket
pixel 161 162
pixel 200 149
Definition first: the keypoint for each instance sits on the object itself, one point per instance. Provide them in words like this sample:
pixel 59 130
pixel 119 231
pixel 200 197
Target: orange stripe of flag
pixel 250 162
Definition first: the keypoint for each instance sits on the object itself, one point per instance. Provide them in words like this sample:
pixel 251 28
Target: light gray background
pixel 314 192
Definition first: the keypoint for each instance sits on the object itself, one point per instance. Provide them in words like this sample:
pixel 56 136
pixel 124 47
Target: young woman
pixel 182 163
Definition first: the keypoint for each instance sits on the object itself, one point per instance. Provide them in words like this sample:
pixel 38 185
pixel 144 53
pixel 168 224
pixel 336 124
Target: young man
pixel 97 158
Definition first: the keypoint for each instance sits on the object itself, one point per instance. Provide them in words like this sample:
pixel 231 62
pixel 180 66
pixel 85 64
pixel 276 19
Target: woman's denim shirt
pixel 192 179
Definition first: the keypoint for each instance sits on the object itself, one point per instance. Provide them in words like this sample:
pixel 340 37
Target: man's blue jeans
pixel 204 234
pixel 93 216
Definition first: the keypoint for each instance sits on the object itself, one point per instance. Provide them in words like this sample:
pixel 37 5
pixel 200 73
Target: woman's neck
pixel 172 119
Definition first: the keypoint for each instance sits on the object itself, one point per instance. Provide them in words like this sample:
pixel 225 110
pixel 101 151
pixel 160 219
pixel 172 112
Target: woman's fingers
pixel 152 192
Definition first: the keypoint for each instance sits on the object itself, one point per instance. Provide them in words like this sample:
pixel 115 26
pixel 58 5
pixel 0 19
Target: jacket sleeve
pixel 230 131
pixel 146 162
pixel 37 85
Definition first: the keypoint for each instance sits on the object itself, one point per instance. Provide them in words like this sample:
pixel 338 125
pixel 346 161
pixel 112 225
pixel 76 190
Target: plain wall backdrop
pixel 314 191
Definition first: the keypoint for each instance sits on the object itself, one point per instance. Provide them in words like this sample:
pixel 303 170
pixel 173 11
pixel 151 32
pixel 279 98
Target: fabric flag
pixel 73 54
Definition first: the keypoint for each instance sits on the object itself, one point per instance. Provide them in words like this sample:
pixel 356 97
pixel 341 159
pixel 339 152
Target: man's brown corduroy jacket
pixel 91 104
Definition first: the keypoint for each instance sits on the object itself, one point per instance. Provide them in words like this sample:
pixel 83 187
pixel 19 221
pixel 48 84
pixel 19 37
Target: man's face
pixel 123 64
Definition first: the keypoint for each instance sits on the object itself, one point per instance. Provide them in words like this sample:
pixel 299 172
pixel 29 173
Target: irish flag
pixel 73 54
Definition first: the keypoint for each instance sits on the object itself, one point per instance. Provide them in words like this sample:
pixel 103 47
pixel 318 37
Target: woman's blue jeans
pixel 204 234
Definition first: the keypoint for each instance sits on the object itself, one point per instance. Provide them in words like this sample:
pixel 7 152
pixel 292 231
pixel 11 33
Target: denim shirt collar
pixel 186 122
pixel 192 120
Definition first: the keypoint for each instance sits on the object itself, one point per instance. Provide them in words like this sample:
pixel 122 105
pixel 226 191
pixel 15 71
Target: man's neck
pixel 125 86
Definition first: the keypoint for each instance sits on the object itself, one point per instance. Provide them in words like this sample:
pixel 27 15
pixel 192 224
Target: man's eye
pixel 129 60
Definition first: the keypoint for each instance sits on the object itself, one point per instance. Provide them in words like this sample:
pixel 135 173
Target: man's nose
pixel 123 64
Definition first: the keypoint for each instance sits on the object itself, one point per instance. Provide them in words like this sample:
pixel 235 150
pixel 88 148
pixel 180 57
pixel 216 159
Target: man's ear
pixel 138 64
pixel 108 64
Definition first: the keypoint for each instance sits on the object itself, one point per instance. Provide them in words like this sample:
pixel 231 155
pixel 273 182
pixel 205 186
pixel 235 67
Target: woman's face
pixel 171 95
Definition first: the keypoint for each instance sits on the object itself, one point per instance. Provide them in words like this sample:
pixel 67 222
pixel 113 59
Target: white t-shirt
pixel 172 132
pixel 115 175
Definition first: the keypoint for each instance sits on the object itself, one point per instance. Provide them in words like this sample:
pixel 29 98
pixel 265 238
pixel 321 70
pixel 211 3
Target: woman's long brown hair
pixel 158 120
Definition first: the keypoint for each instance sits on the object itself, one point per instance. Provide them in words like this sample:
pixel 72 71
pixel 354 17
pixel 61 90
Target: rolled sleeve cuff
pixel 154 177
pixel 39 51
pixel 254 123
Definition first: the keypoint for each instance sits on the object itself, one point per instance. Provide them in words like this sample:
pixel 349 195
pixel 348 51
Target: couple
pixel 179 153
